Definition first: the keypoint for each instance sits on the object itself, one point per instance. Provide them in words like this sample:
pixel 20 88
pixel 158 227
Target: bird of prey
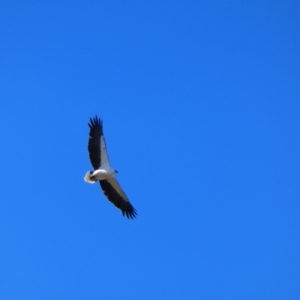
pixel 103 171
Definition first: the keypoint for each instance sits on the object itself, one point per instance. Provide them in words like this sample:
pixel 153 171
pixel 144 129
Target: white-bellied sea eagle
pixel 103 171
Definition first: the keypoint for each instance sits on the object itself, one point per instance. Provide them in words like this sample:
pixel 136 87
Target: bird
pixel 103 171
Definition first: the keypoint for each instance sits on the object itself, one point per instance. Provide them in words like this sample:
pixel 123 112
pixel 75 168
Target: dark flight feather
pixel 96 131
pixel 112 195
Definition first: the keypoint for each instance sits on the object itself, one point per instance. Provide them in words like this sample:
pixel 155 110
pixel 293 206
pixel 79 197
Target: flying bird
pixel 103 171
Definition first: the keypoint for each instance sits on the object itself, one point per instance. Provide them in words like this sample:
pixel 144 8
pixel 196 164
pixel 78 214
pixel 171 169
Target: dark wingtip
pixel 130 214
pixel 95 121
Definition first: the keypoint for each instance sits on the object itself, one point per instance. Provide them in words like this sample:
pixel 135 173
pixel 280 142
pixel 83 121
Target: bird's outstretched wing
pixel 115 194
pixel 96 144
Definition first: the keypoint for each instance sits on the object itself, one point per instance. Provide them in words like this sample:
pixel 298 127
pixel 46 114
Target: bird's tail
pixel 88 179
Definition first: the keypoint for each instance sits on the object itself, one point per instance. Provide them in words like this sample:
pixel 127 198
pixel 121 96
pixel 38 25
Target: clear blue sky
pixel 201 108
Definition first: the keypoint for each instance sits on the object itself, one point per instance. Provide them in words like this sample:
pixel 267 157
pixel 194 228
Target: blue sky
pixel 200 104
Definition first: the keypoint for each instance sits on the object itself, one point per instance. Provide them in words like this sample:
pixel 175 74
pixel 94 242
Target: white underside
pixel 100 174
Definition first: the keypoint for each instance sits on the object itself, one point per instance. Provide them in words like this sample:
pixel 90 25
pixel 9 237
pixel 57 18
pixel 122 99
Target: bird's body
pixel 103 171
pixel 100 174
